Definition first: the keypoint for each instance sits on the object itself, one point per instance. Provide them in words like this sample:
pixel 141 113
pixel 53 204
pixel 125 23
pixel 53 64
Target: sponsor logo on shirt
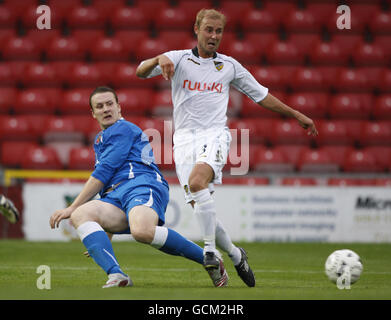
pixel 198 86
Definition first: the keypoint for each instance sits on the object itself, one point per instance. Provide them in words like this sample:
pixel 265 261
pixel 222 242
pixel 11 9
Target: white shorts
pixel 210 146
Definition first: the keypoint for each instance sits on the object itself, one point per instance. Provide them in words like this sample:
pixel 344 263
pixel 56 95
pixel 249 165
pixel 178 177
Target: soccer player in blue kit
pixel 133 195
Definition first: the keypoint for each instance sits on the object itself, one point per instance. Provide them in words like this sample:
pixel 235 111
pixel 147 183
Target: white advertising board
pixel 249 213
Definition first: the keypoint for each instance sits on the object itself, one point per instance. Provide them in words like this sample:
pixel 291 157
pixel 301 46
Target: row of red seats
pixel 243 14
pixel 268 131
pixel 143 101
pixel 282 159
pixel 121 75
pixel 250 50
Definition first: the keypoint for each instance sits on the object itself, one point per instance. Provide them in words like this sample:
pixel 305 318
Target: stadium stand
pixel 340 78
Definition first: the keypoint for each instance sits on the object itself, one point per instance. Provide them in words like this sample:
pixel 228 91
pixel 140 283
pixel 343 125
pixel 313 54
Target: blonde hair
pixel 209 13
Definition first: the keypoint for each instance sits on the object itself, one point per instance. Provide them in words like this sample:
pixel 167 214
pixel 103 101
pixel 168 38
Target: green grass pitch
pixel 284 271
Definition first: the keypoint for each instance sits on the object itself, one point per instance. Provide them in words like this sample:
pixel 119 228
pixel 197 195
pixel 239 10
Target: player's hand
pixel 307 124
pixel 59 215
pixel 167 67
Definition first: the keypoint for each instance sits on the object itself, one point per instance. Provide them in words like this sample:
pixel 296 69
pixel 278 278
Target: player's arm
pixel 90 189
pixel 146 67
pixel 272 103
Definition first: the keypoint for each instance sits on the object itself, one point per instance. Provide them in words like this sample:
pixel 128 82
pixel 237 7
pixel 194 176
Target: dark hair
pixel 101 90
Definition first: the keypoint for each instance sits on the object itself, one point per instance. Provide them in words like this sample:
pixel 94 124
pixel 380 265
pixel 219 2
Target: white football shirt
pixel 200 88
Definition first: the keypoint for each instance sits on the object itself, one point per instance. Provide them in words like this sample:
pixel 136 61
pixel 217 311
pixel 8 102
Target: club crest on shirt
pixel 219 65
pixel 99 139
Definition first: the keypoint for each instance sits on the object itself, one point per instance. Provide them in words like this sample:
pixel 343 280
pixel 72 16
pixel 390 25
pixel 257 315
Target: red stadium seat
pixel 41 158
pixel 249 181
pixel 281 52
pixel 316 161
pixel 109 49
pixel 291 153
pixel 8 17
pixel 258 20
pixel 299 20
pixel 333 132
pixel 307 78
pixel 279 9
pixel 382 155
pixel 329 74
pixel 87 38
pixel 134 102
pixel 81 158
pixel 191 7
pixel 65 48
pixel 34 100
pixel 268 76
pixel 298 181
pixel 173 18
pixel 12 152
pixel 7 76
pixel 350 106
pixel 347 42
pixel 243 51
pixel 7 99
pixel 36 123
pixel 129 37
pixel 381 23
pixel 161 104
pixel 125 77
pixel 149 48
pixel 151 7
pixel 271 160
pixel 382 107
pixel 369 54
pixel 376 133
pixel 42 38
pixel 312 104
pixel 384 182
pixel 289 132
pixel 40 75
pixel 261 41
pixel 360 161
pixel 175 39
pixel 156 124
pixel 372 76
pixel 75 101
pixel 385 83
pixel 85 75
pixel 125 17
pixel 61 129
pixel 321 10
pixel 21 48
pixel 304 42
pixel 352 80
pixel 338 153
pixel 234 11
pixel 82 123
pixel 328 53
pixel 15 128
pixel 87 17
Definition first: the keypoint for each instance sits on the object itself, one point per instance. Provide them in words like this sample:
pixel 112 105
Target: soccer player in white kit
pixel 200 80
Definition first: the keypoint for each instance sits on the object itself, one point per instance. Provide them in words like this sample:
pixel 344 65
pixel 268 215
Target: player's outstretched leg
pixel 237 255
pixel 171 242
pixel 8 209
pixel 100 249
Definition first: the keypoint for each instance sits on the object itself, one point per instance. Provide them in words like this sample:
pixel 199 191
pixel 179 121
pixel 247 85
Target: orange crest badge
pixel 219 65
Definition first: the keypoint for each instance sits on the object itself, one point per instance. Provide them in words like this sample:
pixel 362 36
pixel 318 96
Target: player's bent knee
pixel 143 235
pixel 79 216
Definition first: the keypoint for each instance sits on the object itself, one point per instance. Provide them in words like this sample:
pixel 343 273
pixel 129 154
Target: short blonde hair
pixel 209 13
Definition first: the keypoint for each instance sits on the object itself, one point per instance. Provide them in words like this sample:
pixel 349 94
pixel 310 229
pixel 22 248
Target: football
pixel 342 261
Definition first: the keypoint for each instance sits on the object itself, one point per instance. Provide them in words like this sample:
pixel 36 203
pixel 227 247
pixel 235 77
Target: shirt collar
pixel 195 52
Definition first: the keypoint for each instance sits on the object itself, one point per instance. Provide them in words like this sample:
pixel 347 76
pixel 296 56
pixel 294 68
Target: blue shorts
pixel 141 190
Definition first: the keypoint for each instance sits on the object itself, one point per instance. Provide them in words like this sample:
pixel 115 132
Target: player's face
pixel 105 109
pixel 209 35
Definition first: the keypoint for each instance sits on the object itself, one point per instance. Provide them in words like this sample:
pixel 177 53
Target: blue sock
pixel 171 242
pixel 99 246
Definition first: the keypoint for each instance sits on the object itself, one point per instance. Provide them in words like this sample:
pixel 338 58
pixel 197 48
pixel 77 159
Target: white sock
pixel 224 242
pixel 205 211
